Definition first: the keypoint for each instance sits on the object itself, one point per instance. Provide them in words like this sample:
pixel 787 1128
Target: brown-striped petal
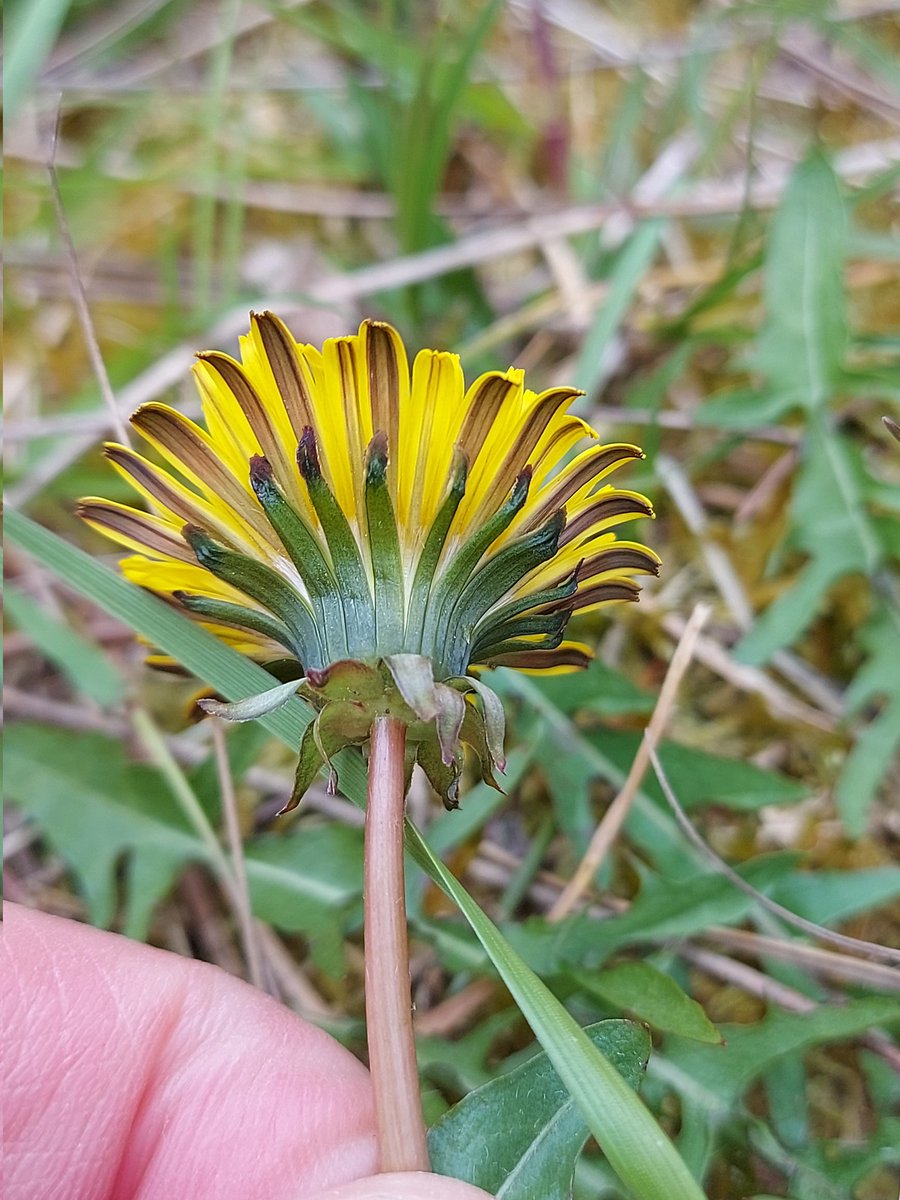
pixel 546 406
pixel 186 446
pixel 486 398
pixel 291 378
pixel 569 654
pixel 592 465
pixel 137 530
pixel 610 507
pixel 259 415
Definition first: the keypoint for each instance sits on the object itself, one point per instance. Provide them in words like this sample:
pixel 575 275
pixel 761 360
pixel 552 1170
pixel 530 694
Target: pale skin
pixel 134 1074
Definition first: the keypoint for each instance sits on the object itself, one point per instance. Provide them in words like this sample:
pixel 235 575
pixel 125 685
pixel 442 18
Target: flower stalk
pixel 399 1124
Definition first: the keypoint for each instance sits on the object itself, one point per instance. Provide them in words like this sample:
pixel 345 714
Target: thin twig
pixel 814 959
pixel 399 1124
pixel 242 907
pixel 750 679
pixel 615 815
pixel 162 757
pixel 853 945
pixel 292 982
pixel 79 296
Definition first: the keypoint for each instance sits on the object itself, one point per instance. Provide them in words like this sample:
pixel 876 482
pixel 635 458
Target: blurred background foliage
pixel 689 210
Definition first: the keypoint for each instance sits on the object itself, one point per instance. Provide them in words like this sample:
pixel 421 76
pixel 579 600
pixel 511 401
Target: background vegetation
pixel 684 209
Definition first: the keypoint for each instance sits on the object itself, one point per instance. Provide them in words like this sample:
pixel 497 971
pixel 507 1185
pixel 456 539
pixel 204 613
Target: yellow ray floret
pixel 339 503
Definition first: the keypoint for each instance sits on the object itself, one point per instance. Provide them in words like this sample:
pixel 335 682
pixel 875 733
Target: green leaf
pixel 665 908
pixel 97 808
pixel 627 1133
pixel 599 689
pixel 831 896
pixel 309 881
pixel 234 676
pixel 720 1075
pixel 794 610
pixel 698 777
pixel 651 996
pixel 570 779
pixel 631 265
pixel 31 27
pixel 85 665
pixel 519 1135
pixel 867 765
pixel 831 524
pixel 803 342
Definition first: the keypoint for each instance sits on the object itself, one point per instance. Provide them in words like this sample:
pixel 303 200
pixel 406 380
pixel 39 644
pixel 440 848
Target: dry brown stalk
pixel 608 829
pixel 242 908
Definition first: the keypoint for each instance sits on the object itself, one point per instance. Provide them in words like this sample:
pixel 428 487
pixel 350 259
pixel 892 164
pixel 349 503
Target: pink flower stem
pixel 399 1123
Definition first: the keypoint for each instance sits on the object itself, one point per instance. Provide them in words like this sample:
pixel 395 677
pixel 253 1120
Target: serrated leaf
pixel 786 619
pixel 831 523
pixel 310 881
pixel 831 896
pixel 665 908
pixel 569 780
pixel 97 809
pixel 720 1074
pixel 698 777
pixel 652 996
pixel 519 1135
pixel 878 743
pixel 803 342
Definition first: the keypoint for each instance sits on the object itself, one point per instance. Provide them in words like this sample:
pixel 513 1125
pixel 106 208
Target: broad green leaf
pixel 599 690
pixel 234 676
pixel 743 409
pixel 867 765
pixel 569 780
pixel 650 823
pixel 652 996
pixel 630 1137
pixel 662 910
pixel 803 342
pixel 719 1075
pixel 97 808
pixel 310 881
pixel 831 896
pixel 665 908
pixel 84 663
pixel 519 1135
pixel 786 619
pixel 698 777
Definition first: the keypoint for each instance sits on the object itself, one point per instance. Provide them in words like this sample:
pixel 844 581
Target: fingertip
pixel 408 1185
